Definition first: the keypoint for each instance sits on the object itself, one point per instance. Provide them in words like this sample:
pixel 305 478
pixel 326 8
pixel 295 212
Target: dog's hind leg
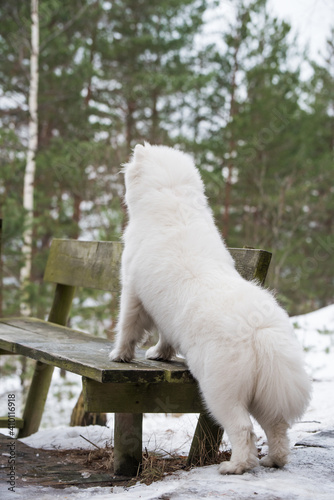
pixel 132 323
pixel 232 415
pixel 278 444
pixel 162 351
pixel 239 429
pixel 277 436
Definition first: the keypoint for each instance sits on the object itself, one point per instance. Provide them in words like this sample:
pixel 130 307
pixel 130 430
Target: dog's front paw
pixel 153 353
pixel 157 354
pixel 120 357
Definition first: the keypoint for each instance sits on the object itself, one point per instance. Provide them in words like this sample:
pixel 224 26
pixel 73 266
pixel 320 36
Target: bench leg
pixel 37 395
pixel 206 440
pixel 128 443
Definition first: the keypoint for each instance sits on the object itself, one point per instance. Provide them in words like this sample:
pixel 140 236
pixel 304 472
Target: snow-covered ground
pixel 309 475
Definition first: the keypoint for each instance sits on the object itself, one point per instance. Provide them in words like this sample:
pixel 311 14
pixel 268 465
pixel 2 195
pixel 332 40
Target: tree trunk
pixel 130 122
pixel 232 145
pixel 0 267
pixel 29 176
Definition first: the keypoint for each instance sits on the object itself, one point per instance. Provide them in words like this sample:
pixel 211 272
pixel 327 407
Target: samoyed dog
pixel 178 276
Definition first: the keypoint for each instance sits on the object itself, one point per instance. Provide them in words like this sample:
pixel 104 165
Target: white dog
pixel 178 276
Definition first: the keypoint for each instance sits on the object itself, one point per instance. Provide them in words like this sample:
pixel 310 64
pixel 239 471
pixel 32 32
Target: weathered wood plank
pixel 53 468
pixel 61 305
pixel 38 392
pixel 206 440
pixel 251 263
pixel 39 387
pixel 88 264
pixel 83 353
pixel 163 397
pixel 18 424
pixel 6 353
pixel 128 443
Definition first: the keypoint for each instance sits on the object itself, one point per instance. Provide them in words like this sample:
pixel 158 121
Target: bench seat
pixel 83 353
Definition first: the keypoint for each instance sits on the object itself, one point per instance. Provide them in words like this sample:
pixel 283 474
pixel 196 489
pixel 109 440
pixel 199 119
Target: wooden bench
pixel 128 390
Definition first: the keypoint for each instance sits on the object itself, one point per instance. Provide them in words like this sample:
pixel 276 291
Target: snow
pixel 315 332
pixel 309 475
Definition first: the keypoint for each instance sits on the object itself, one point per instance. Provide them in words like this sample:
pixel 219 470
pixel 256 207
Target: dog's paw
pixel 236 467
pixel 267 462
pixel 273 462
pixel 157 354
pixel 230 468
pixel 120 357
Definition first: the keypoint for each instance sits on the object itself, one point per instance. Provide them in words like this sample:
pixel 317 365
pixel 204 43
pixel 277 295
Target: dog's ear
pixel 139 152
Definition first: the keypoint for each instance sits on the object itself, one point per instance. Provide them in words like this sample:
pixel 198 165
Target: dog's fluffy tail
pixel 282 388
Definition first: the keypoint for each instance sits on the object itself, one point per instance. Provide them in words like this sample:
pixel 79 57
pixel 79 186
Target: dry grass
pixel 154 466
pixel 101 458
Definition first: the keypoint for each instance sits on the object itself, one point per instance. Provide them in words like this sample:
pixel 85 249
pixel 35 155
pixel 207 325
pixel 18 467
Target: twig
pixel 83 437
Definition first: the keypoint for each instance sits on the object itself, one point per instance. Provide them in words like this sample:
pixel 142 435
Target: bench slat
pixel 91 264
pixel 136 398
pixel 251 263
pixel 83 354
pixel 17 423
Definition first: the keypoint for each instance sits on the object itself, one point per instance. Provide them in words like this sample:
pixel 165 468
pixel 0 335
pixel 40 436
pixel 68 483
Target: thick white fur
pixel 178 276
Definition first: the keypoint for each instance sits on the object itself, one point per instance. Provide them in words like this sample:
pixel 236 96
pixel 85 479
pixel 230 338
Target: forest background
pixel 114 73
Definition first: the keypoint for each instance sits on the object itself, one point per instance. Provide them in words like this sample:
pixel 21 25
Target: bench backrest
pixel 90 264
pixel 96 264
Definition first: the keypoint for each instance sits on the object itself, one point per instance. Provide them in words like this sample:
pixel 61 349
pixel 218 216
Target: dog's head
pixel 161 168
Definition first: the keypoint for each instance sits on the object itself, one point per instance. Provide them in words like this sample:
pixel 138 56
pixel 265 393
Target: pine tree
pixel 65 136
pixel 251 155
pixel 316 270
pixel 145 53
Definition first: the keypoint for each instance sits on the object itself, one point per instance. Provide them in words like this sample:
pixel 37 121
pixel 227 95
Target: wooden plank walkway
pixel 56 468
